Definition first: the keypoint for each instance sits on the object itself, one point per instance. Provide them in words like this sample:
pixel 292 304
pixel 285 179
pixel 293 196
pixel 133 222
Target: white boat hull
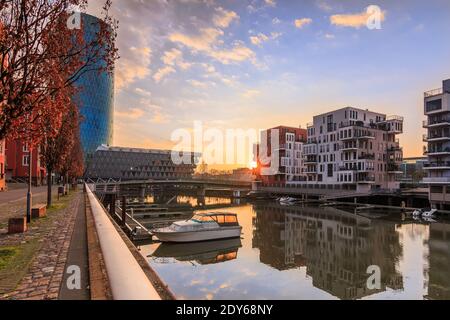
pixel 196 236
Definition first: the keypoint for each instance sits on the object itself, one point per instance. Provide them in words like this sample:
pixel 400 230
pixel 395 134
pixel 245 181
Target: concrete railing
pixel 126 277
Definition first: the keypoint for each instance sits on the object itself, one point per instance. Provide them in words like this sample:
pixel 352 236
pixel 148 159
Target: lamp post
pixel 29 194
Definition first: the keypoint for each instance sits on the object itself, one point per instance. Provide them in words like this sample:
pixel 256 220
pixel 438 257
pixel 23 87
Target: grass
pixel 6 254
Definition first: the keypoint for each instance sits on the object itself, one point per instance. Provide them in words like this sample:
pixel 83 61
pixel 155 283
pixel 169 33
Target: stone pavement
pixel 43 279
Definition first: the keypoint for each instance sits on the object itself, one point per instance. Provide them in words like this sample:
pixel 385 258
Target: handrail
pixel 126 278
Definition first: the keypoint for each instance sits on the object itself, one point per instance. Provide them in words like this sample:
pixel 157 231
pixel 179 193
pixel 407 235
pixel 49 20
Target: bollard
pixel 112 205
pixel 124 211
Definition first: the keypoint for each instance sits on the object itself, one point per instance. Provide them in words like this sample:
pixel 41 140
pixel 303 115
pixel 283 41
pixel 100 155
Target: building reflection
pixel 336 247
pixel 439 262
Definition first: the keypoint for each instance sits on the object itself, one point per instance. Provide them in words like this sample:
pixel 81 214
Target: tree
pixel 56 151
pixel 35 42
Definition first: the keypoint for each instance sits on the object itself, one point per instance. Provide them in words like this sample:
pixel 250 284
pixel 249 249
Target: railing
pixel 433 92
pixel 395 118
pixel 436 150
pixel 429 122
pixel 436 180
pixel 437 164
pixel 367 156
pixel 126 278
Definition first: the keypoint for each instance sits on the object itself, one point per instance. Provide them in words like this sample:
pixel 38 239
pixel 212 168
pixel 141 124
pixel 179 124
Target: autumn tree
pixel 35 42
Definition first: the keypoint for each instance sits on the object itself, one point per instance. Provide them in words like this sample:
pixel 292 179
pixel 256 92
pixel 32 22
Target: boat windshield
pixel 202 219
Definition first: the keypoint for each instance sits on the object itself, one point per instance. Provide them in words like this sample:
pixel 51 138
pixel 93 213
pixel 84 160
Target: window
pixel 26 161
pixel 25 147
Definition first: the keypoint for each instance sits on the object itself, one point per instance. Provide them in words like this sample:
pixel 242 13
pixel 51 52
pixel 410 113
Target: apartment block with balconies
pixel 437 138
pixel 354 149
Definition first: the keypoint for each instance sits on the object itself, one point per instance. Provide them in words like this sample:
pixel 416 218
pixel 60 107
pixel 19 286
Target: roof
pixel 218 214
pixel 141 150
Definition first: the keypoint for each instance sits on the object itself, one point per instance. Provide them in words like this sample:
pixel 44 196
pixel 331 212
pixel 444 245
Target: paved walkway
pixel 44 276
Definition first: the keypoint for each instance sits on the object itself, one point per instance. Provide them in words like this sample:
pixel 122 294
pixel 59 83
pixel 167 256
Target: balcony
pixel 348 168
pixel 434 92
pixel 311 159
pixel 436 123
pixel 367 180
pixel 436 180
pixel 436 137
pixel 370 156
pixel 394 168
pixel 437 151
pixel 440 165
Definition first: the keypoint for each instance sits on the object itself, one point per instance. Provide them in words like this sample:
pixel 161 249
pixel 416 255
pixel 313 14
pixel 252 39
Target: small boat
pixel 417 213
pixel 430 214
pixel 201 227
pixel 287 200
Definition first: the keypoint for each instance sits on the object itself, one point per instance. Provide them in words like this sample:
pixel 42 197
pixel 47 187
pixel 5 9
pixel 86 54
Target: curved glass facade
pixel 95 100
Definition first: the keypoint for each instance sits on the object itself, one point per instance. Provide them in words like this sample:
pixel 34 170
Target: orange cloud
pixel 357 20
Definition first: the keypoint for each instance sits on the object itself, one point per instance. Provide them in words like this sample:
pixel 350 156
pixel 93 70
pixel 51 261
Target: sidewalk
pixel 42 254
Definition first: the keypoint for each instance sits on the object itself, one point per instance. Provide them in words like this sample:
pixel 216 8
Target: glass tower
pixel 95 99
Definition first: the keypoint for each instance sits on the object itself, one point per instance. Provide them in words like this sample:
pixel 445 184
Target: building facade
pixel 288 153
pixel 18 162
pixel 354 149
pixel 138 164
pixel 413 170
pixel 95 98
pixel 437 110
pixel 2 166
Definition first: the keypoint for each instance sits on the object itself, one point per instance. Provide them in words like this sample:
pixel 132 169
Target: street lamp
pixel 29 194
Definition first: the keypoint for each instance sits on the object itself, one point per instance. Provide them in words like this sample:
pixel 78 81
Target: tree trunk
pixel 49 188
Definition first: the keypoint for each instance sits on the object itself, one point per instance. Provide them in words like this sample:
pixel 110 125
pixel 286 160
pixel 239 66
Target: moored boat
pixel 201 227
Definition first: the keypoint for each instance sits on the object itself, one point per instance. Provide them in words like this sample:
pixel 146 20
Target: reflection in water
pixel 208 252
pixel 335 247
pixel 310 253
pixel 439 262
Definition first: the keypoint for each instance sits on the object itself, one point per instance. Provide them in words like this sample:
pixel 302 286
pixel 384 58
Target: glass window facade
pixel 95 100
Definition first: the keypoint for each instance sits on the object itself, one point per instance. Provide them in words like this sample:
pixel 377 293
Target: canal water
pixel 310 253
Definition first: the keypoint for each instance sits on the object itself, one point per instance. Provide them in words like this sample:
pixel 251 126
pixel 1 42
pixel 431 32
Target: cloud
pixel 324 6
pixel 357 20
pixel 261 37
pixel 300 23
pixel 174 58
pixel 329 36
pixel 207 42
pixel 132 113
pixel 143 92
pixel 271 3
pixel 162 73
pixel 132 66
pixel 276 21
pixel 249 94
pixel 200 84
pixel 223 18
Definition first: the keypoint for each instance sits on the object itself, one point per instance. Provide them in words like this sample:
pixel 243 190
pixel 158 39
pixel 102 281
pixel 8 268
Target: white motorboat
pixel 430 214
pixel 201 227
pixel 417 213
pixel 287 200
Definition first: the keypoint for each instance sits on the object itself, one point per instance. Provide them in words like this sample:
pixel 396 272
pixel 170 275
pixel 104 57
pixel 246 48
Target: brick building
pixel 18 161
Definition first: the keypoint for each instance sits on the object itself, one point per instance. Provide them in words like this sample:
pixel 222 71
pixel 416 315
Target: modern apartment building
pixel 138 164
pixel 437 110
pixel 288 153
pixel 354 149
pixel 2 165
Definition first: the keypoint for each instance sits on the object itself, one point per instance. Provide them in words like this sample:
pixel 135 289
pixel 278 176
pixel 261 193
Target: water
pixel 310 253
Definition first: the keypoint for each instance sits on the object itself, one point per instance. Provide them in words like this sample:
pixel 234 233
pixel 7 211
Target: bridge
pixel 141 187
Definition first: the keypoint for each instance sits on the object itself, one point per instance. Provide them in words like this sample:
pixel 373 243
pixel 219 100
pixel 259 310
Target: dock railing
pixel 126 277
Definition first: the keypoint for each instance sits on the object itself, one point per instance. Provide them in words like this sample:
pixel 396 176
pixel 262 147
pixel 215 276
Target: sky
pixel 257 64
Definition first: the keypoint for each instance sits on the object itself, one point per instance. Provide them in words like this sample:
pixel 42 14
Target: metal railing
pixel 433 92
pixel 126 277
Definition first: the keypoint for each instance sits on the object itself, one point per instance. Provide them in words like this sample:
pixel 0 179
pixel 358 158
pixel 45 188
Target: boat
pixel 429 214
pixel 417 213
pixel 201 227
pixel 287 200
